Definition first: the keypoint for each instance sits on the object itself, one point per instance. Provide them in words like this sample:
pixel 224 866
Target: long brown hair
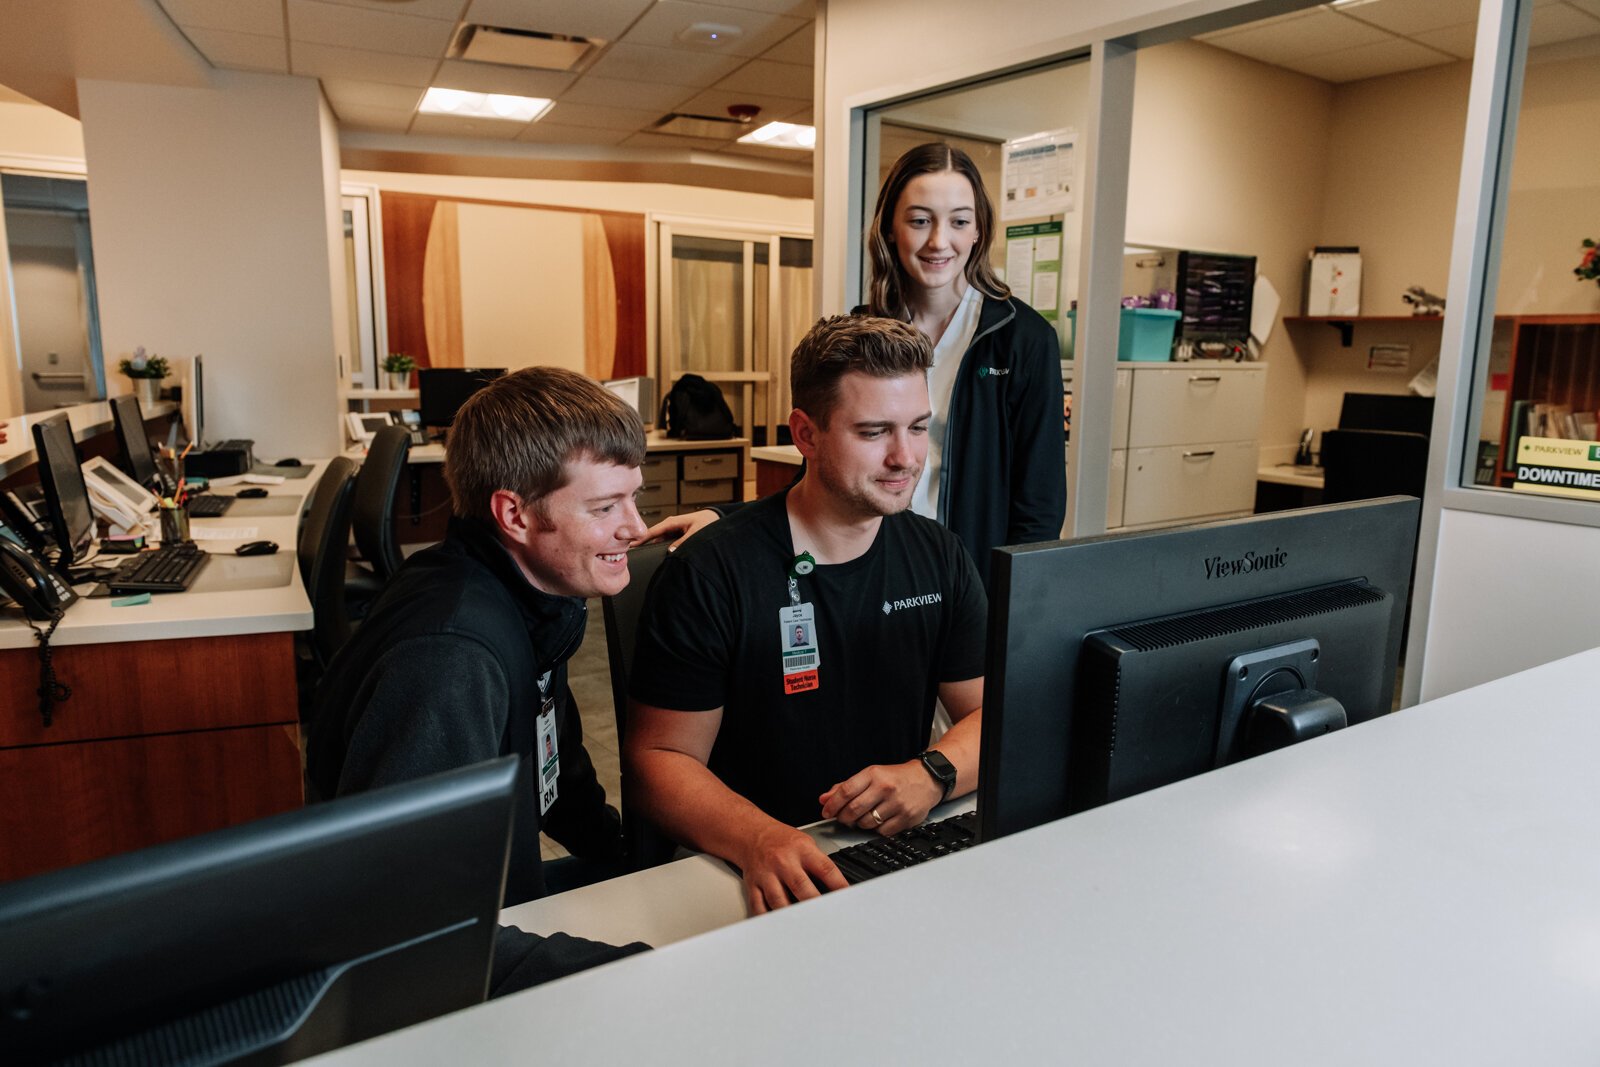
pixel 886 295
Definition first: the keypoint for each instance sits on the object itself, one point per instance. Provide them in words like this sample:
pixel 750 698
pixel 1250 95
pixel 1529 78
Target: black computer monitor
pixel 1384 411
pixel 1125 662
pixel 133 446
pixel 273 940
pixel 442 390
pixel 66 496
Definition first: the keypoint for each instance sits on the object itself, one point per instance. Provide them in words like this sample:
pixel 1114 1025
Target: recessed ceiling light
pixel 439 101
pixel 783 135
pixel 709 34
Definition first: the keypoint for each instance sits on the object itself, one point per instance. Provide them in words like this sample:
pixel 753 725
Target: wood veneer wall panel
pixel 599 302
pixel 407 217
pixel 149 687
pixel 625 236
pixel 441 288
pixel 67 804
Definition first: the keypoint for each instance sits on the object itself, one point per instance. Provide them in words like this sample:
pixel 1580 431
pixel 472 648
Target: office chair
pixel 324 536
pixel 1362 464
pixel 372 516
pixel 647 846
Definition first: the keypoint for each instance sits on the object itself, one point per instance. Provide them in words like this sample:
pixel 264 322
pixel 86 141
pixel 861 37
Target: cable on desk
pixel 51 691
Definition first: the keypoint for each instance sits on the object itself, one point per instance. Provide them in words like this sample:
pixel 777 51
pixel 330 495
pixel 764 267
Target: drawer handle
pixel 1205 377
pixel 1200 455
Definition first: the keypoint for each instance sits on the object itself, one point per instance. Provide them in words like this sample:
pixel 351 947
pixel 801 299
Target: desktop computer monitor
pixel 1121 663
pixel 1383 411
pixel 133 446
pixel 66 496
pixel 265 942
pixel 638 393
pixel 442 390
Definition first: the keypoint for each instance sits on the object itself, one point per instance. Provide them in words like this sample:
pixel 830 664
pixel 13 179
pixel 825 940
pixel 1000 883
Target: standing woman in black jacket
pixel 996 471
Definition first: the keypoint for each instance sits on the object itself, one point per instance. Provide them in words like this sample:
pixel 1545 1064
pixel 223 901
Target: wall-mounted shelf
pixel 380 394
pixel 1346 324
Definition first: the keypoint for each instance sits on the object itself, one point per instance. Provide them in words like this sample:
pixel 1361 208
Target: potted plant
pixel 1588 268
pixel 146 372
pixel 397 368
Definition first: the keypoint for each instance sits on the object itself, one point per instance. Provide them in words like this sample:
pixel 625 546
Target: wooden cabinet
pixel 1551 360
pixel 696 477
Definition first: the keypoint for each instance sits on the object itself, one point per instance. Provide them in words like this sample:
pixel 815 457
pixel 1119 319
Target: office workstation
pixel 1361 868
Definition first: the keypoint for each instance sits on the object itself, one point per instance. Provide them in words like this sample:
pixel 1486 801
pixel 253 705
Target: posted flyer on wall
pixel 1039 175
pixel 1558 467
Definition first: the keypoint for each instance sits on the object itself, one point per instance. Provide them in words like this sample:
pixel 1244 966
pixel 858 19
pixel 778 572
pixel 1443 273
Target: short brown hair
pixel 877 347
pixel 887 293
pixel 521 430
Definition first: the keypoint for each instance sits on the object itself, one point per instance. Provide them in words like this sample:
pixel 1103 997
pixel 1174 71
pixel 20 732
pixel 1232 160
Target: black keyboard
pixel 929 841
pixel 208 506
pixel 168 569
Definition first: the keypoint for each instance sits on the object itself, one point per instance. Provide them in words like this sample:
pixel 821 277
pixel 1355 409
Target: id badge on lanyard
pixel 797 638
pixel 547 753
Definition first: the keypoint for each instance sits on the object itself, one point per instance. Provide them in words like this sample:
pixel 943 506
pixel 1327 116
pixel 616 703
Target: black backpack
pixel 696 411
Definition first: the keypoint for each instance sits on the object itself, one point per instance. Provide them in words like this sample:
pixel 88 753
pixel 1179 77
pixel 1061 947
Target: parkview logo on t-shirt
pixel 892 606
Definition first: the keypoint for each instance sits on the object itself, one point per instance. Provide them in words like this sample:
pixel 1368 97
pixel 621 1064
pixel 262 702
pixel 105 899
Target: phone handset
pixel 40 592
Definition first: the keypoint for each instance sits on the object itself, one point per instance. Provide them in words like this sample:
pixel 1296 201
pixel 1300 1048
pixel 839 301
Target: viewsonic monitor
pixel 66 497
pixel 1126 662
pixel 442 390
pixel 133 445
pixel 265 942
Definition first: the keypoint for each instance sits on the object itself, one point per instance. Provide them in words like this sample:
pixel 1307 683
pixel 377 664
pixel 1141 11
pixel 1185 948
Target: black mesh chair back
pixel 646 845
pixel 1362 464
pixel 372 514
pixel 324 538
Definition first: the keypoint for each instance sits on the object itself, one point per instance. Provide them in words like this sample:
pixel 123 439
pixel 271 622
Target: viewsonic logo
pixel 1249 563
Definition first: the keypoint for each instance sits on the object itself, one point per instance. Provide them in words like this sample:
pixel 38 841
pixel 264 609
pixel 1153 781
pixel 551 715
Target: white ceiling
pixel 376 57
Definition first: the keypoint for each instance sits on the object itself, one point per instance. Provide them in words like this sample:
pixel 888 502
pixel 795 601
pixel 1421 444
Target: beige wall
pixel 520 281
pixel 210 217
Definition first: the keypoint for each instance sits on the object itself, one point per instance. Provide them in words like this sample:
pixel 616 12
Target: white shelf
pixel 380 394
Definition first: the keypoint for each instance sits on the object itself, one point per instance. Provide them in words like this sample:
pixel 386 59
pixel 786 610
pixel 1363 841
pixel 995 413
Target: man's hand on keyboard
pixel 781 864
pixel 884 798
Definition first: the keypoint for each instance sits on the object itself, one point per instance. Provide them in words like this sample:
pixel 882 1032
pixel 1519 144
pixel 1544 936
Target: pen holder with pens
pixel 174 523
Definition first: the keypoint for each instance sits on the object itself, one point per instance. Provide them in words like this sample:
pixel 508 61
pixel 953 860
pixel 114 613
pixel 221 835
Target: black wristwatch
pixel 942 770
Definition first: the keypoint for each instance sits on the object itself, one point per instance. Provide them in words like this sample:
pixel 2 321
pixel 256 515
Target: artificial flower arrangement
pixel 1588 268
pixel 143 366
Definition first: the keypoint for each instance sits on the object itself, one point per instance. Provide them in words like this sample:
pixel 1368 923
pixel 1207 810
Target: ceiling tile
pixel 355 64
pixel 582 18
pixel 375 31
pixel 667 140
pixel 263 17
pixel 1255 24
pixel 386 120
pixel 1591 6
pixel 802 117
pixel 716 101
pixel 546 132
pixel 456 126
pixel 1310 34
pixel 494 78
pixel 668 66
pixel 802 9
pixel 799 47
pixel 1459 41
pixel 777 155
pixel 765 76
pixel 1560 23
pixel 1368 61
pixel 240 51
pixel 663 22
pixel 342 94
pixel 612 93
pixel 1411 18
pixel 600 118
pixel 447 10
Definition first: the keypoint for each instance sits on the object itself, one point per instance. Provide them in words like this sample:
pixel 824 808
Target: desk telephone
pixel 42 595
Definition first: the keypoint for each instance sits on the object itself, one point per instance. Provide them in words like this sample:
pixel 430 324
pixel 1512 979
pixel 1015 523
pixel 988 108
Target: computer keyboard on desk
pixel 168 569
pixel 209 506
pixel 929 841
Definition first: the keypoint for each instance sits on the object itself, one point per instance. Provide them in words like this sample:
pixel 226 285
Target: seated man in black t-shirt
pixel 789 657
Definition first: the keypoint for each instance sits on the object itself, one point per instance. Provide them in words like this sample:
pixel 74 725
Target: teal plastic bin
pixel 1145 337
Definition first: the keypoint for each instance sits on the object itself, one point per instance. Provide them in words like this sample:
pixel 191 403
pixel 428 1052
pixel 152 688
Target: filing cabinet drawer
pixel 1189 481
pixel 720 491
pixel 656 469
pixel 657 495
pixel 699 468
pixel 651 516
pixel 1186 404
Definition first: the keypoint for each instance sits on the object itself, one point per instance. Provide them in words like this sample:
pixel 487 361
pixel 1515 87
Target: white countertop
pixel 655 441
pixel 785 454
pixel 1290 474
pixel 87 420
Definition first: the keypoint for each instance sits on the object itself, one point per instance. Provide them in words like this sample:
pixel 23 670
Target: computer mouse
pixel 290 462
pixel 256 548
pixel 254 493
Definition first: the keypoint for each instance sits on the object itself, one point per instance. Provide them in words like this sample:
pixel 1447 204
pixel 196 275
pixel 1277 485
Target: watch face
pixel 941 768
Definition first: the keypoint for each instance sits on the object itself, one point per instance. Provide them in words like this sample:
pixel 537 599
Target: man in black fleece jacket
pixel 463 657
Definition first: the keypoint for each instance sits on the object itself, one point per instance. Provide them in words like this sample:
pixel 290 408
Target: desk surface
pixel 88 420
pixel 1290 474
pixel 1421 888
pixel 232 595
pixel 654 441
